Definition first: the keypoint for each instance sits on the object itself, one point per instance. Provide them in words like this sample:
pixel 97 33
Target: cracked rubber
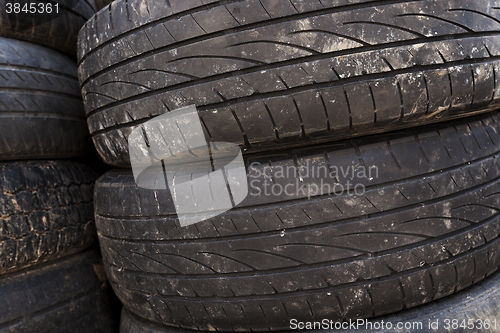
pixel 46 211
pixel 272 73
pixel 69 295
pixel 477 303
pixel 426 226
pixel 41 109
pixel 59 34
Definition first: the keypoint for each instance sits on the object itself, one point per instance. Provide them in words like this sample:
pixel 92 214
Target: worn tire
pixel 427 225
pixel 58 34
pixel 477 303
pixel 69 295
pixel 41 110
pixel 277 73
pixel 46 211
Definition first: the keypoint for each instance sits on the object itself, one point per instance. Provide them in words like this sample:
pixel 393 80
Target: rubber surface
pixel 425 226
pixel 41 110
pixel 46 211
pixel 58 34
pixel 69 295
pixel 272 73
pixel 478 303
pixel 102 3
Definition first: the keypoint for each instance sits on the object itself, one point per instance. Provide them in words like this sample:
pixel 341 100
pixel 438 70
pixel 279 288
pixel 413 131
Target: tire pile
pixel 49 279
pixel 393 103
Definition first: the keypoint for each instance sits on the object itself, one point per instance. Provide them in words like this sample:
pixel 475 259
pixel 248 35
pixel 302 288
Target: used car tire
pixel 477 305
pixel 41 108
pixel 68 295
pixel 46 211
pixel 425 226
pixel 58 33
pixel 271 73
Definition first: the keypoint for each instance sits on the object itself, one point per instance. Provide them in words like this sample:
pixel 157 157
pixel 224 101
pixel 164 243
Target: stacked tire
pixel 50 281
pixel 390 106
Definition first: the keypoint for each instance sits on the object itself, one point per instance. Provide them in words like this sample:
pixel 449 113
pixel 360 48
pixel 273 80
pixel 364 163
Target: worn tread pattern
pixel 478 302
pixel 319 74
pixel 69 295
pixel 41 108
pixel 426 226
pixel 59 34
pixel 46 211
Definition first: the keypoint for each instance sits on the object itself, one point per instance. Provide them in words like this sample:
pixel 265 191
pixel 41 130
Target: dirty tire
pixel 41 109
pixel 69 295
pixel 58 34
pixel 46 211
pixel 425 226
pixel 477 303
pixel 271 73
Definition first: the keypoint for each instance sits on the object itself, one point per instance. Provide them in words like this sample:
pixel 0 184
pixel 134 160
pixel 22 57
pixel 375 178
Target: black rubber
pixel 69 295
pixel 102 3
pixel 41 111
pixel 58 32
pixel 426 226
pixel 46 211
pixel 279 73
pixel 478 303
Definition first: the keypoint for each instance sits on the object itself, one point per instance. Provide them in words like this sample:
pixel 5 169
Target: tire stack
pixel 396 101
pixel 50 281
